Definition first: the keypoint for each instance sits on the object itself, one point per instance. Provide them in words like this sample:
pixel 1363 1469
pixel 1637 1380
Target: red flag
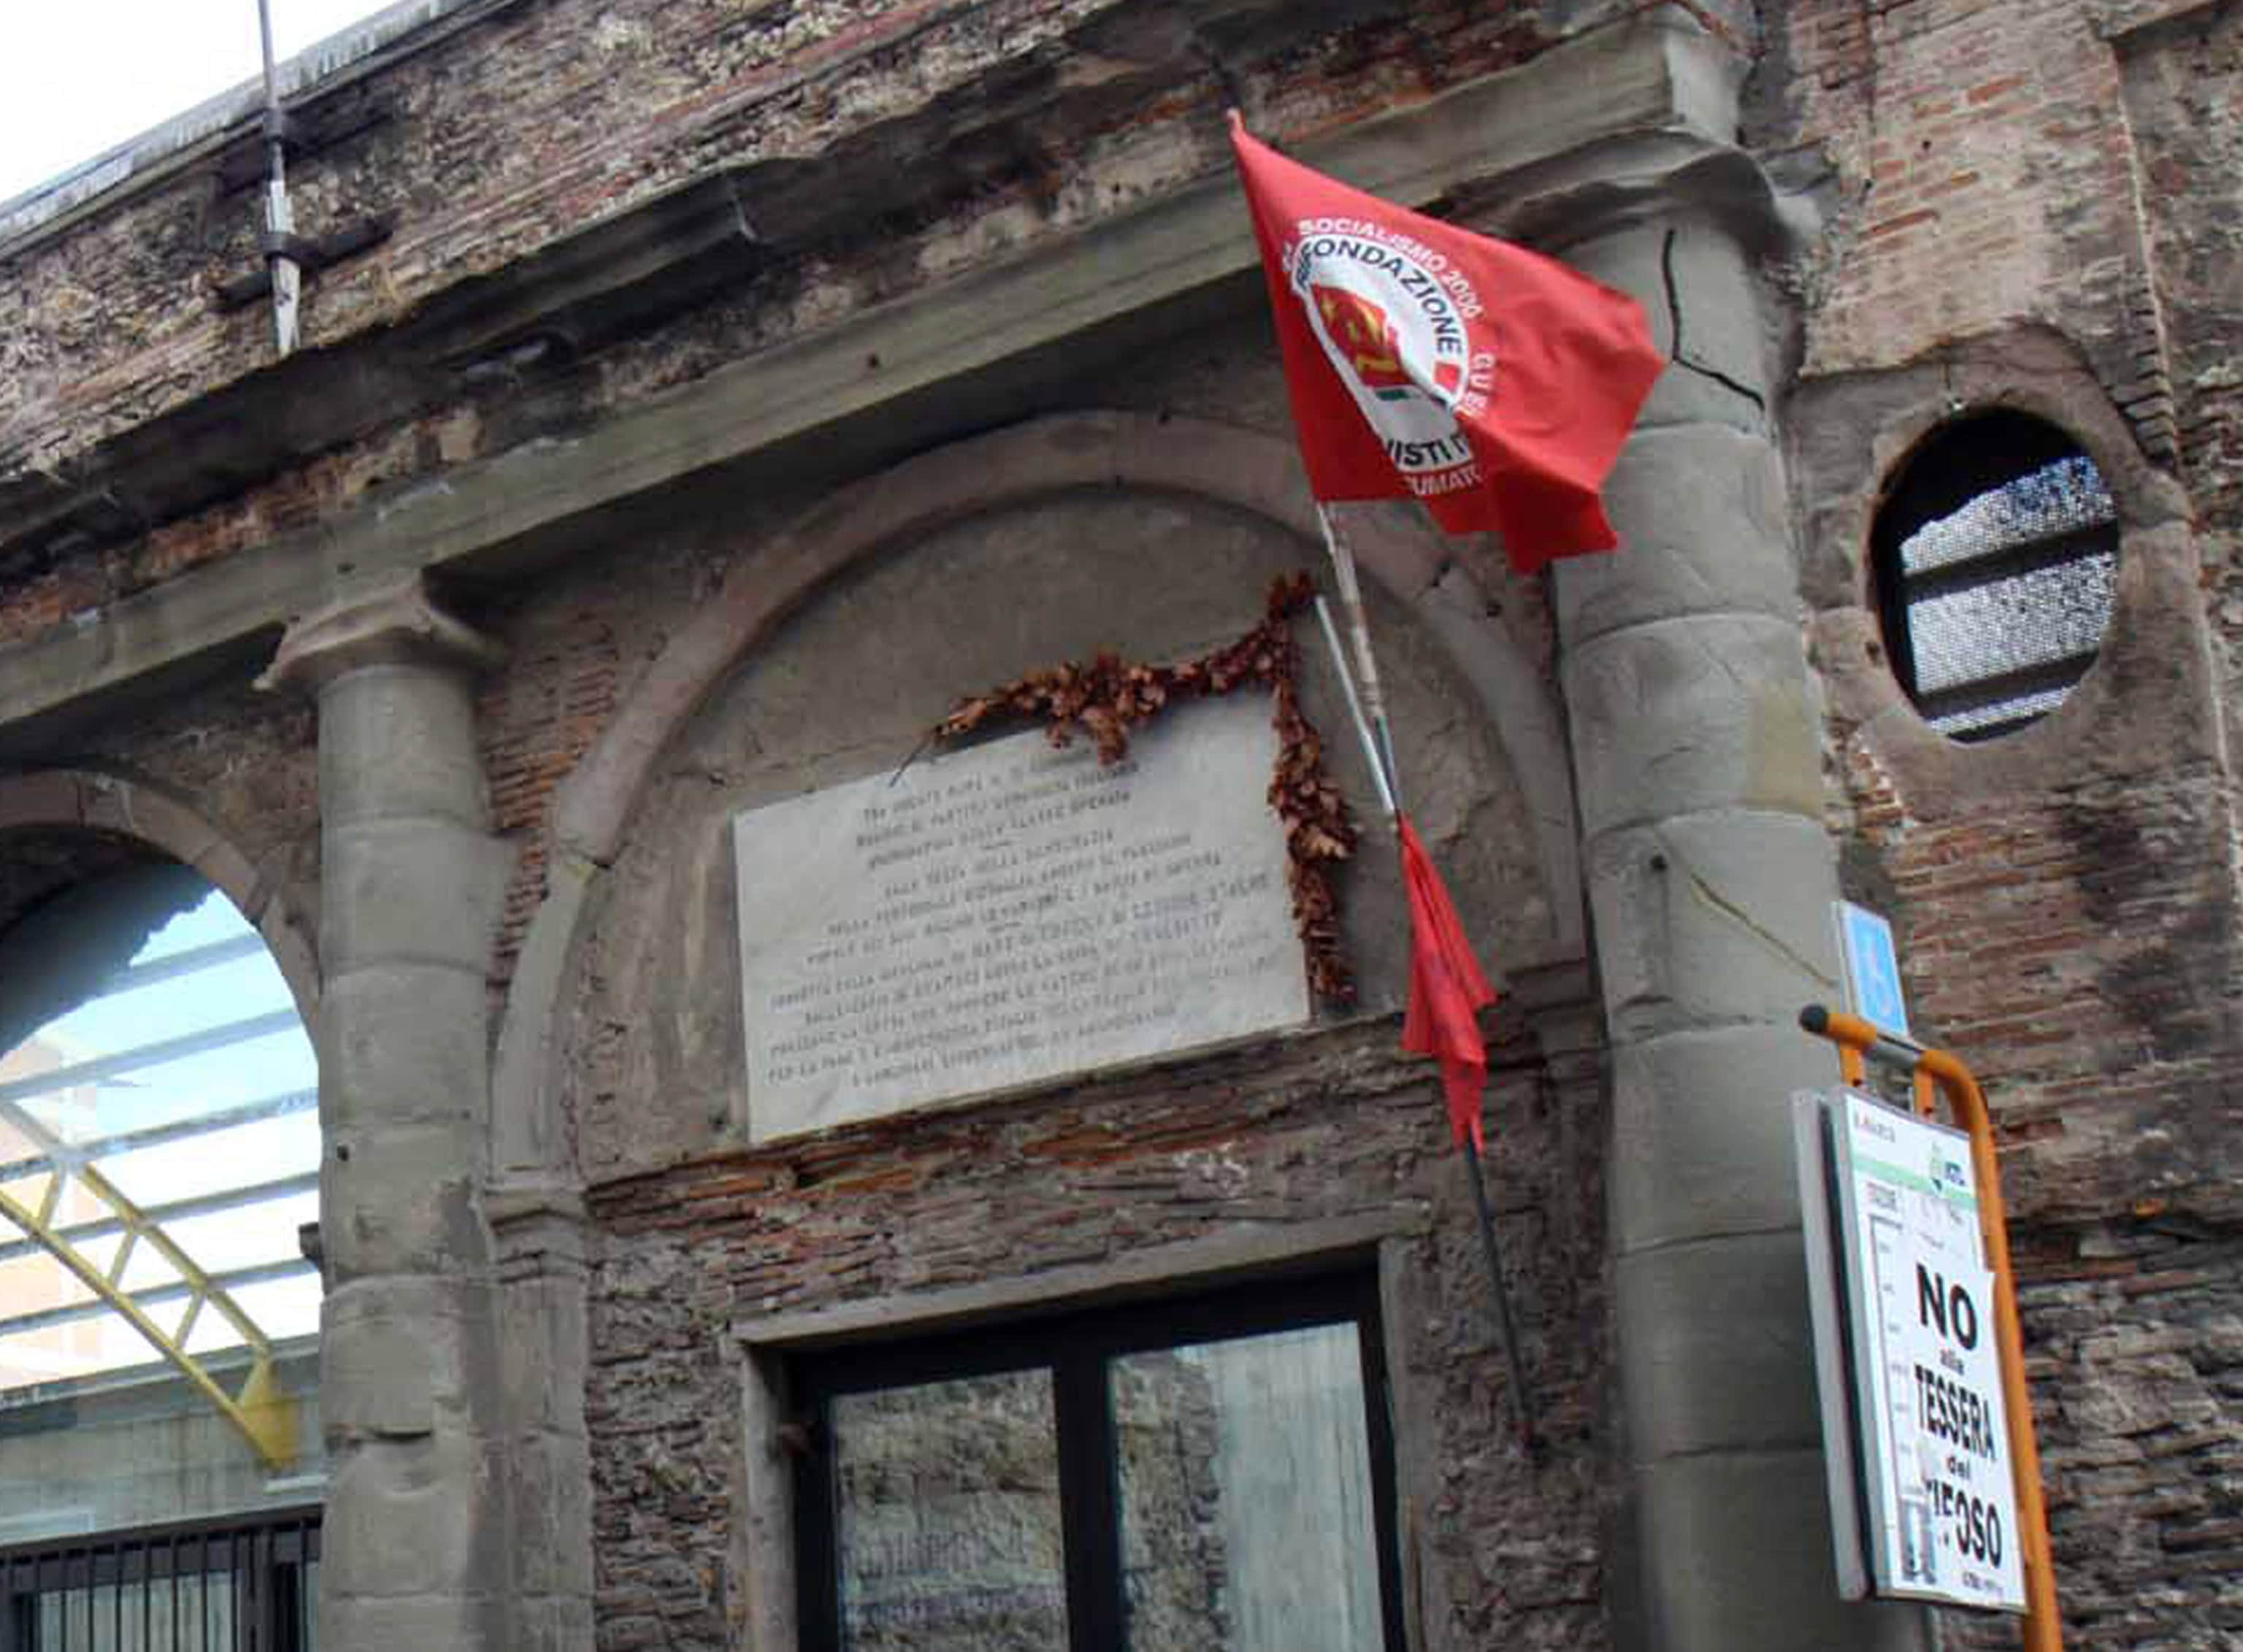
pixel 1427 362
pixel 1447 988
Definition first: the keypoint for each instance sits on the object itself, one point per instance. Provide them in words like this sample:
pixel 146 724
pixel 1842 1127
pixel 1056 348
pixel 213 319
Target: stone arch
pixel 1248 471
pixel 101 802
pixel 71 832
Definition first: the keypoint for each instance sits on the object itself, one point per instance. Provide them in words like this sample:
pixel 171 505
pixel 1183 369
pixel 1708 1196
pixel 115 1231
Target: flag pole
pixel 1521 1397
pixel 1380 764
pixel 1358 626
pixel 1528 438
pixel 1354 708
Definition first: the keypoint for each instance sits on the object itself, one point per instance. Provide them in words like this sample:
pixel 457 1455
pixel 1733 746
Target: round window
pixel 1995 554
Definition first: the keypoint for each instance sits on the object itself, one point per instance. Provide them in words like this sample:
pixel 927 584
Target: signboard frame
pixel 1922 1484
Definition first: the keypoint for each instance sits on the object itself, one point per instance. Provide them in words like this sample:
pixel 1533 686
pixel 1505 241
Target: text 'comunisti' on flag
pixel 1492 384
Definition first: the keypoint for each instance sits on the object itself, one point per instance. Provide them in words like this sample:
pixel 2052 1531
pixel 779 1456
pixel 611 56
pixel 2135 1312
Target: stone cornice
pixel 2121 21
pixel 1652 95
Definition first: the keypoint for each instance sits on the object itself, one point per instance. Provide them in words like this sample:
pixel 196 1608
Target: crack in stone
pixel 1674 316
pixel 1705 892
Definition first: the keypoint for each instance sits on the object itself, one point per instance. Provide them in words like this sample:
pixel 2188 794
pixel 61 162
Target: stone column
pixel 544 1313
pixel 416 1549
pixel 1696 732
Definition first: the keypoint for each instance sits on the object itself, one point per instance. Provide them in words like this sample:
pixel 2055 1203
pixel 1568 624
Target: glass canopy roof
pixel 182 1081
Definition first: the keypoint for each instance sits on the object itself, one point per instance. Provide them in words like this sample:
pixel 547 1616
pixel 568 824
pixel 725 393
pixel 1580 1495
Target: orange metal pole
pixel 1855 1038
pixel 2044 1630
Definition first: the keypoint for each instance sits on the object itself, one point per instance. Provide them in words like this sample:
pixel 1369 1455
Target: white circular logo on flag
pixel 1395 335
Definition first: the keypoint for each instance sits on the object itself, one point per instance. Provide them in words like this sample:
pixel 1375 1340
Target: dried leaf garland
pixel 1107 697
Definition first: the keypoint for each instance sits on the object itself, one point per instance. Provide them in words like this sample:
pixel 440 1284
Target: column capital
pixel 1634 123
pixel 1630 179
pixel 395 623
pixel 538 1219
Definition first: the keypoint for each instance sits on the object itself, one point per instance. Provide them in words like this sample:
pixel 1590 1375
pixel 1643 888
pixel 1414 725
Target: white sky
pixel 78 76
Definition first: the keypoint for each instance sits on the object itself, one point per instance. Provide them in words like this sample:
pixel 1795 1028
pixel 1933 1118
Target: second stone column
pixel 415 1548
pixel 1696 732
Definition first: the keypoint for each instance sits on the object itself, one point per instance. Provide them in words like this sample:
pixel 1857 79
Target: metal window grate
pixel 1997 558
pixel 249 1584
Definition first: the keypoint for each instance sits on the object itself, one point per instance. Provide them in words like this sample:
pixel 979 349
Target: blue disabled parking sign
pixel 1865 942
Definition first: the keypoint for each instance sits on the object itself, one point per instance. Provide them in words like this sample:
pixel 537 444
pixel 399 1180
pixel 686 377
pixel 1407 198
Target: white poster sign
pixel 1937 1486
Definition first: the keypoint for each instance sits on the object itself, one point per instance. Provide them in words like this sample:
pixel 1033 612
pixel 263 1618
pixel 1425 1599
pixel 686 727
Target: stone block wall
pixel 2133 1329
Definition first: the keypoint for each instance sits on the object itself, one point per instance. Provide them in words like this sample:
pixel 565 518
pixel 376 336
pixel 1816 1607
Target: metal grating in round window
pixel 1996 559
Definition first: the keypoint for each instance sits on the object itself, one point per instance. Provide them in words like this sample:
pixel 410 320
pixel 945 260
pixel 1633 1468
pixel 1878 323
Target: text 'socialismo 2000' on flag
pixel 1492 383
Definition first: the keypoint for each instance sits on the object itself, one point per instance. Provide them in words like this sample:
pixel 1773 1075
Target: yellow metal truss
pixel 264 1415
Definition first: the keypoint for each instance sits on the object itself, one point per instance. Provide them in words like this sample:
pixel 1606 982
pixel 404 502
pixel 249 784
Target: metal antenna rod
pixel 279 222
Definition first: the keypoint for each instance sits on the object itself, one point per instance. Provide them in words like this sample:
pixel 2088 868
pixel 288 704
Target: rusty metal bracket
pixel 310 254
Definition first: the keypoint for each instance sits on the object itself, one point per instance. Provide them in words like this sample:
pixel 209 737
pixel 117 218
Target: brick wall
pixel 539 120
pixel 248 762
pixel 2079 950
pixel 2073 934
pixel 1989 162
pixel 2076 941
pixel 1332 1126
pixel 2183 81
pixel 1980 176
pixel 699 1228
pixel 574 646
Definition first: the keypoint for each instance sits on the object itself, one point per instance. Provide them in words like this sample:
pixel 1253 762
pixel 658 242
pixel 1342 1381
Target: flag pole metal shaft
pixel 1380 764
pixel 1355 706
pixel 1358 626
pixel 1522 1398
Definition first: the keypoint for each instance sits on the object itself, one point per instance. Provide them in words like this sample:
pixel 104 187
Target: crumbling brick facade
pixel 2070 922
pixel 727 390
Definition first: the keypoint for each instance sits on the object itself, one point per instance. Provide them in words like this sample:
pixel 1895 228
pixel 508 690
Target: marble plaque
pixel 1005 914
